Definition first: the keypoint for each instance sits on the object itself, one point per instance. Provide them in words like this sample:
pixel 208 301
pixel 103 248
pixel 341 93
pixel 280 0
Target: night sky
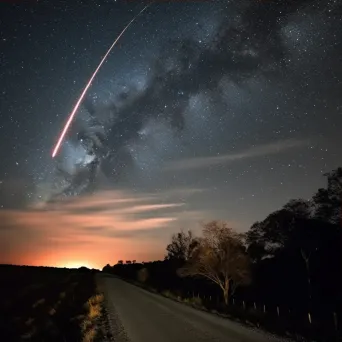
pixel 203 110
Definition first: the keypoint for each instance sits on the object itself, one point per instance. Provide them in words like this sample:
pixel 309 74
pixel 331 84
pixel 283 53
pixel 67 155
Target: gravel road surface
pixel 137 315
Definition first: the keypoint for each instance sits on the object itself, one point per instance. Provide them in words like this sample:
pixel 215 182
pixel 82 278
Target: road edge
pixel 114 327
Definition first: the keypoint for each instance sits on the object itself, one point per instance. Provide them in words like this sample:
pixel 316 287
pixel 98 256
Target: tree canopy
pixel 220 257
pixel 182 246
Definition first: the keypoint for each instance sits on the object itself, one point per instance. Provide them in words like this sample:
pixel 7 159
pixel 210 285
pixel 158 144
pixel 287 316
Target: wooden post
pixel 254 306
pixel 335 321
pixel 309 317
pixel 278 310
pixel 264 308
pixel 244 305
pixel 210 298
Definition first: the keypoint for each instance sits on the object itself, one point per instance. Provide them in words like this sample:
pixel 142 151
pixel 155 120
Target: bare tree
pixel 220 256
pixel 182 245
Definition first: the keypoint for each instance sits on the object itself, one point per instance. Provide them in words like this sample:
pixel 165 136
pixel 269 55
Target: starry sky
pixel 203 110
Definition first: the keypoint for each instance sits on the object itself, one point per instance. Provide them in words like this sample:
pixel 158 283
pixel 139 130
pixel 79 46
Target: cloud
pixel 106 209
pixel 252 152
pixel 101 222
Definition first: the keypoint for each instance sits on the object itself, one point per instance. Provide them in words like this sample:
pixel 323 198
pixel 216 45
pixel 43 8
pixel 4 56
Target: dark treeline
pixel 29 268
pixel 287 266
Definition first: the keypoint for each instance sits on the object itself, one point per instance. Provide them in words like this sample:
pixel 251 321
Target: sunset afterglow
pixel 90 230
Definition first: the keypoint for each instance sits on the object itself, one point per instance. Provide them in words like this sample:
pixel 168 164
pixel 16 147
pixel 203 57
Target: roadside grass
pixel 90 323
pixel 195 301
pixel 47 304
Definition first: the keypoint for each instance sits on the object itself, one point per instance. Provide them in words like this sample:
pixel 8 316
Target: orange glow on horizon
pixel 75 264
pixel 90 231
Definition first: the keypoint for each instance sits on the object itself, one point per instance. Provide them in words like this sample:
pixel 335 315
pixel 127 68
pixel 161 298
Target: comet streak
pixel 71 117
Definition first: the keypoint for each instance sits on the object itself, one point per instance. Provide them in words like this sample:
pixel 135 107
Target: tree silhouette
pixel 107 268
pixel 267 237
pixel 300 208
pixel 328 202
pixel 294 235
pixel 181 247
pixel 219 257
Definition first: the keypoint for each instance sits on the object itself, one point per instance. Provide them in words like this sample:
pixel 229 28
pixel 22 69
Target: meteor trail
pixel 71 117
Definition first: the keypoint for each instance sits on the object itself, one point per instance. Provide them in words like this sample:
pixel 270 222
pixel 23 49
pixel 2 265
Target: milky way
pixel 238 99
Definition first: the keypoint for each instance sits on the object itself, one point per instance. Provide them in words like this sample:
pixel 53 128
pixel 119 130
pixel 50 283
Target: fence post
pixel 278 310
pixel 335 321
pixel 264 308
pixel 244 305
pixel 254 306
pixel 233 301
pixel 309 317
pixel 210 298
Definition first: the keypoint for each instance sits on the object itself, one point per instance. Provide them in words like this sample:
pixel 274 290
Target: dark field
pixel 48 304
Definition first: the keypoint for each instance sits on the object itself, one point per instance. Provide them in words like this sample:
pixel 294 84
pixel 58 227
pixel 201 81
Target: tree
pixel 220 257
pixel 181 247
pixel 107 268
pixel 300 208
pixel 257 247
pixel 120 262
pixel 128 262
pixel 266 238
pixel 270 235
pixel 328 202
pixel 294 236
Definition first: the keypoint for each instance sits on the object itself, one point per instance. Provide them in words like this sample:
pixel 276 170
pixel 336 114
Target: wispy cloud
pixel 252 152
pixel 107 222
pixel 108 210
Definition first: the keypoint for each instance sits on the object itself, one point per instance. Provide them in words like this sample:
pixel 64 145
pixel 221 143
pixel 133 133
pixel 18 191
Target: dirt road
pixel 141 316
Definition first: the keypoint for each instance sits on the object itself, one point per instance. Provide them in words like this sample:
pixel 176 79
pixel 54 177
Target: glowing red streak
pixel 71 117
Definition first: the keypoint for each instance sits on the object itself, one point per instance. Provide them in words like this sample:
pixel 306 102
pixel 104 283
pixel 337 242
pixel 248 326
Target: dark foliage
pixel 43 303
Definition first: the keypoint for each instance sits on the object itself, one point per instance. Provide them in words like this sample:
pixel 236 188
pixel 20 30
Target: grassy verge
pixel 91 322
pixel 47 304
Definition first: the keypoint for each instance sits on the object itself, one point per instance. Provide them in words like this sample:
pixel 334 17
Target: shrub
pixel 196 301
pixel 142 275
